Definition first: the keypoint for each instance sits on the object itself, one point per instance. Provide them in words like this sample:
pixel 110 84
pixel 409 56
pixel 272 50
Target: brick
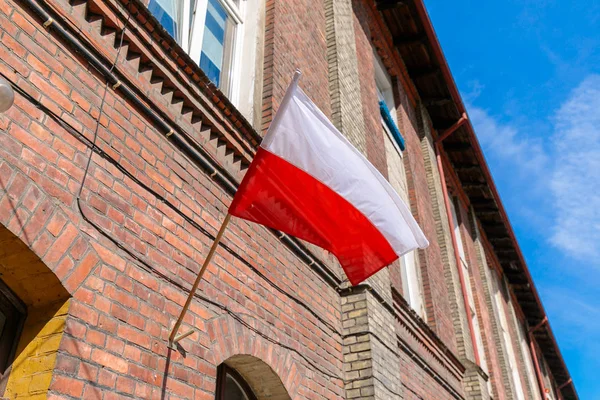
pixel 32 198
pixel 75 347
pixel 82 271
pixel 109 361
pixel 107 378
pixel 125 385
pixel 54 94
pixel 61 244
pixel 56 224
pixel 92 393
pixel 84 312
pixel 67 385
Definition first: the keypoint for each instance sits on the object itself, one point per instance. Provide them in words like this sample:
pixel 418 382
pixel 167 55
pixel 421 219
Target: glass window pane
pixel 192 13
pixel 459 243
pixel 2 322
pixel 167 12
pixel 233 390
pixel 213 42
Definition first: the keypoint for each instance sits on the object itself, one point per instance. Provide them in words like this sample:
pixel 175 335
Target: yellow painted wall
pixel 36 353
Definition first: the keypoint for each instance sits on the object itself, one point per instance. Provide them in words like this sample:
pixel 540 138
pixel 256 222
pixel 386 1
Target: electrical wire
pixel 147 265
pixel 95 137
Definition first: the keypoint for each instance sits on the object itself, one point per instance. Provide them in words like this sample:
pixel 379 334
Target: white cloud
pixel 575 184
pixel 558 172
pixel 509 145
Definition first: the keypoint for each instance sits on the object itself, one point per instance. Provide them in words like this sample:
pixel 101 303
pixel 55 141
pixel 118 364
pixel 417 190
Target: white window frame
pixel 192 38
pixel 464 265
pixel 411 282
pixel 532 378
pixel 512 360
pixel 195 40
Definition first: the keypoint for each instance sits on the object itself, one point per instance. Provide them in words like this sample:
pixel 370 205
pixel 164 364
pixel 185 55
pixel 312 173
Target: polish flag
pixel 308 181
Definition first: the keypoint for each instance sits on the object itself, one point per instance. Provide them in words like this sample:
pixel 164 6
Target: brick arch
pixel 270 370
pixel 33 217
pixel 265 383
pixel 45 302
pixel 26 274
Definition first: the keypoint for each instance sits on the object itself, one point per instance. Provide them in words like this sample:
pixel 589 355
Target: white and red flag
pixel 308 181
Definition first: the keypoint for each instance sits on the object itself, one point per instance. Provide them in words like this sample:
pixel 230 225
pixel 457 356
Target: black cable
pixel 161 198
pixel 147 265
pixel 112 67
pixel 108 158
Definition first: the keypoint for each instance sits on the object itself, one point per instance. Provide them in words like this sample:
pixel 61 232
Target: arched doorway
pixel 232 386
pixel 33 310
pixel 245 377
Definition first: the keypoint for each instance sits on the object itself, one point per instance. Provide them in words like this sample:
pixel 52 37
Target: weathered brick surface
pixel 126 300
pixel 127 249
pixel 445 310
pixel 344 82
pixel 374 143
pixel 495 351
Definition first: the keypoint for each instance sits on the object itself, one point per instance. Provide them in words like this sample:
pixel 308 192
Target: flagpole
pixel 172 338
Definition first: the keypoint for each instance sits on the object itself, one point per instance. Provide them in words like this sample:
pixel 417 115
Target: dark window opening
pixel 12 317
pixel 231 385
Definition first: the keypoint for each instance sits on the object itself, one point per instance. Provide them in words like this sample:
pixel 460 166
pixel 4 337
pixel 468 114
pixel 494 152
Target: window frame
pixel 192 24
pixel 412 288
pixel 222 371
pixel 464 265
pixel 10 339
pixel 499 290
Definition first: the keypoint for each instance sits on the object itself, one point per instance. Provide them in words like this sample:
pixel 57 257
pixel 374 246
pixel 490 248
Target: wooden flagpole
pixel 173 338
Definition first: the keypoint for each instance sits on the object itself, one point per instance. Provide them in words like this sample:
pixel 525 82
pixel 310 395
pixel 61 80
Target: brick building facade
pixel 134 122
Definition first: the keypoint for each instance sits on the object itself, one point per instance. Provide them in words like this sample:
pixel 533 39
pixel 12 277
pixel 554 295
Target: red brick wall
pixel 416 381
pixel 129 250
pixel 295 39
pixel 418 384
pixel 368 89
pixel 368 35
pixel 124 305
pixel 432 268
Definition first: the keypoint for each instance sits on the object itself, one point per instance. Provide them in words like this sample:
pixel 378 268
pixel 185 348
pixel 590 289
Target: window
pixel 231 385
pixel 464 265
pixel 394 144
pixel 167 12
pixel 12 316
pixel 510 352
pixel 532 379
pixel 219 35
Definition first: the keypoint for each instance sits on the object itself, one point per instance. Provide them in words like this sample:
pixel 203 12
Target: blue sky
pixel 529 73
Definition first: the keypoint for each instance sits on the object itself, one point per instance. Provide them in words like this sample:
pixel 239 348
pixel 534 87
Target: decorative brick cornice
pixel 428 343
pixel 418 328
pixel 164 75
